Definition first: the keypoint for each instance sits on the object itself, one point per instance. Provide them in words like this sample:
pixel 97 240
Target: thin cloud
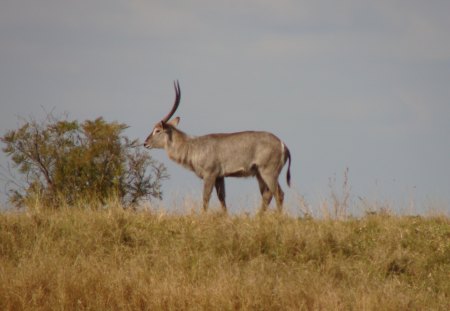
pixel 371 72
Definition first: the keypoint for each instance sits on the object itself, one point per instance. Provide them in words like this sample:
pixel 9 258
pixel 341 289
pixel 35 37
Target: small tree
pixel 67 161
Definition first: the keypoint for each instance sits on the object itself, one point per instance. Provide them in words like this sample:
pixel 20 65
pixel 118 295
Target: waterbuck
pixel 216 156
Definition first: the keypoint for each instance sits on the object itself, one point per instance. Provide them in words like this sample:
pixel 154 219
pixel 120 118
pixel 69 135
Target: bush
pixel 62 161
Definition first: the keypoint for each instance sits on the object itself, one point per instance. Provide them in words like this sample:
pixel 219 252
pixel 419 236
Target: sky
pixel 356 84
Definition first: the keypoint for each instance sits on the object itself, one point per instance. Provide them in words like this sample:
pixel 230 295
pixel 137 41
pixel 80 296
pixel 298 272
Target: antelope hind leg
pixel 265 193
pixel 275 189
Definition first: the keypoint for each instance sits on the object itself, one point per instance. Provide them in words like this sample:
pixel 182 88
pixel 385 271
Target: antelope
pixel 213 157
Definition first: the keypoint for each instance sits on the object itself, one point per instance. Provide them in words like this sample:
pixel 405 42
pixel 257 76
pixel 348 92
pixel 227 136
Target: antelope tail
pixel 288 157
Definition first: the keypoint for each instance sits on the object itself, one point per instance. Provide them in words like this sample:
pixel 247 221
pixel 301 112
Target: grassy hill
pixel 79 259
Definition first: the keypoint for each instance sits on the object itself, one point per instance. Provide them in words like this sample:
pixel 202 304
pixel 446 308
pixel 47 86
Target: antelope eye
pixel 156 131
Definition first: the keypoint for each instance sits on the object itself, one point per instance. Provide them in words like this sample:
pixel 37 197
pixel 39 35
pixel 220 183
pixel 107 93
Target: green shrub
pixel 63 161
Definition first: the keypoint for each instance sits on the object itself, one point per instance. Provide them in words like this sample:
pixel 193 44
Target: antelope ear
pixel 174 122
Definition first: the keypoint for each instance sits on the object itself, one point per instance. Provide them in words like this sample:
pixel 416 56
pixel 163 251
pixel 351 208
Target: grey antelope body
pixel 216 156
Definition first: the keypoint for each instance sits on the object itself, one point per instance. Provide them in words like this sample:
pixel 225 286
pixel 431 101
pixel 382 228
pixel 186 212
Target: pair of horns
pixel 176 86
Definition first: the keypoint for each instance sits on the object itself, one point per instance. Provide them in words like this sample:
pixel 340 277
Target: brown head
pixel 161 132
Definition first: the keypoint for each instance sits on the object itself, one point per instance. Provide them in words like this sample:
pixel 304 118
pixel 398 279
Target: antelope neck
pixel 178 147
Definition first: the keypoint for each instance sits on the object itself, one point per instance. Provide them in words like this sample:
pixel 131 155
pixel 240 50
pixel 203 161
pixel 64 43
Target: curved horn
pixel 175 104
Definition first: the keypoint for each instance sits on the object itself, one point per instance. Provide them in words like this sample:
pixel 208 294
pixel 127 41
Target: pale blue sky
pixel 358 84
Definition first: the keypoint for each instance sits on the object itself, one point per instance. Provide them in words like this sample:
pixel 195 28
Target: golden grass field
pixel 114 259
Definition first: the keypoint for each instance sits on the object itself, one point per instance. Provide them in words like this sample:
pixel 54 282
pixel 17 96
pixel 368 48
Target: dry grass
pixel 79 259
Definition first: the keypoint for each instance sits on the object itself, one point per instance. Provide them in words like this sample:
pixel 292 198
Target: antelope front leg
pixel 207 189
pixel 220 189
